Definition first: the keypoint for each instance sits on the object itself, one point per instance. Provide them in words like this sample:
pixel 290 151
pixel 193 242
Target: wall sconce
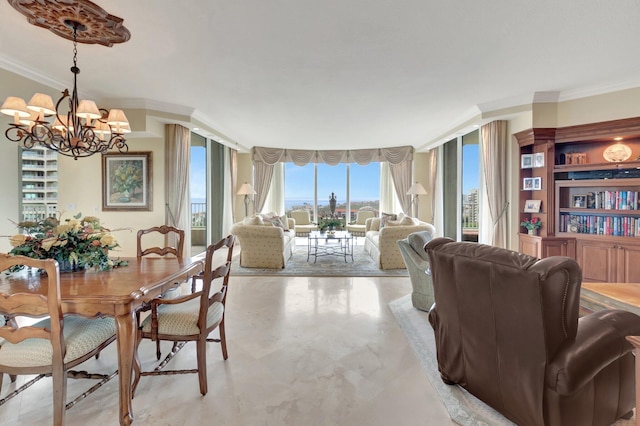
pixel 416 190
pixel 246 189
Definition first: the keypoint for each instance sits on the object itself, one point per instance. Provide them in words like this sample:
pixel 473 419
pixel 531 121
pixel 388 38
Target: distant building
pixel 470 209
pixel 39 183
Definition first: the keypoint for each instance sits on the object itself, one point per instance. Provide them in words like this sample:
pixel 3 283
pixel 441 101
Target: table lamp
pixel 416 190
pixel 246 189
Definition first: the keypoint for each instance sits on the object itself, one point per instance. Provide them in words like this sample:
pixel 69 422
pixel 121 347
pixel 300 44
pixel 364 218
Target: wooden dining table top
pixel 120 286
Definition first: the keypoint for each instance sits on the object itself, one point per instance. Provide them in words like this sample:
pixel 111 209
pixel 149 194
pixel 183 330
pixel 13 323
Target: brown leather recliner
pixel 507 330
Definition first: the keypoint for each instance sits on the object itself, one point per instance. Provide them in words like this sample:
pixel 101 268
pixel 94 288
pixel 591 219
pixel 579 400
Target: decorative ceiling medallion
pixel 100 27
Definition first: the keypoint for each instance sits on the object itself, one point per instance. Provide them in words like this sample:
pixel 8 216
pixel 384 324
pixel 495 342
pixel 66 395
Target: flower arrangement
pixel 77 244
pixel 329 223
pixel 532 224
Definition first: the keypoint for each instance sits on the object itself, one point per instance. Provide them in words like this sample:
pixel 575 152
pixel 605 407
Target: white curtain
pixel 233 174
pixel 389 202
pixel 433 174
pixel 275 198
pixel 494 156
pixel 438 196
pixel 262 176
pixel 176 181
pixel 227 191
pixel 401 176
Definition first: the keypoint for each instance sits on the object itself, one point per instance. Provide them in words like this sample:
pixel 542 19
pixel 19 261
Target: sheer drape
pixel 494 158
pixel 401 175
pixel 176 184
pixel 228 190
pixel 275 198
pixel 433 173
pixel 389 202
pixel 233 173
pixel 262 176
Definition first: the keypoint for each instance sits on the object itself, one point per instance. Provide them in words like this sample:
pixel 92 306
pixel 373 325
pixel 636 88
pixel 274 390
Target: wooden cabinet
pixel 589 191
pixel 547 246
pixel 608 261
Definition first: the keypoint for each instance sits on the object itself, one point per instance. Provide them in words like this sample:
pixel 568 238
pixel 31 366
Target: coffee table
pixel 338 243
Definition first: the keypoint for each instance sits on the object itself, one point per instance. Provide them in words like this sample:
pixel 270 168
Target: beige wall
pixel 80 191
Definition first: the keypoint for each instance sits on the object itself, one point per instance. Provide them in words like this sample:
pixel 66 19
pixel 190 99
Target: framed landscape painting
pixel 126 181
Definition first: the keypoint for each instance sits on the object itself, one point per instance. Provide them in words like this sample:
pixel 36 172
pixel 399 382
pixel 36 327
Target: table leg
pixel 635 341
pixel 125 335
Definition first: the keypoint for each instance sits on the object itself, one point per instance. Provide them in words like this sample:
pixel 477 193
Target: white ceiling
pixel 331 74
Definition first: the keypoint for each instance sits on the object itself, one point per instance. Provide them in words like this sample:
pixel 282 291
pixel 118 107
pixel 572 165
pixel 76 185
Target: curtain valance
pixel 300 157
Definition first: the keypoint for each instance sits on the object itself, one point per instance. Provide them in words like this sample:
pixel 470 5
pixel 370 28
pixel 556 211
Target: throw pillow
pixel 406 221
pixel 386 217
pixel 285 222
pixel 253 220
pixel 274 221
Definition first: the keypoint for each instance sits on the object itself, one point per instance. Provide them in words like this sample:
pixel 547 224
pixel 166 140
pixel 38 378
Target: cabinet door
pixel 559 247
pixel 628 264
pixel 530 245
pixel 597 260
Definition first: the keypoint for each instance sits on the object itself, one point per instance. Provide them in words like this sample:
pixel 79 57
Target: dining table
pixel 117 293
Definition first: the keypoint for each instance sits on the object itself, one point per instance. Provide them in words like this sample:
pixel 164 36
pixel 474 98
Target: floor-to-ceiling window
pixel 364 187
pixel 461 180
pixel 299 187
pixel 310 187
pixel 470 186
pixel 198 193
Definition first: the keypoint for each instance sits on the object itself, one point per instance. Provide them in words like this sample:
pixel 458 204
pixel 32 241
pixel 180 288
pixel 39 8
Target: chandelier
pixel 80 130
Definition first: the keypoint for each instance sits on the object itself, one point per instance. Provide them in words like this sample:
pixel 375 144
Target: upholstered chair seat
pixel 82 336
pixel 182 319
pixel 303 224
pixel 358 227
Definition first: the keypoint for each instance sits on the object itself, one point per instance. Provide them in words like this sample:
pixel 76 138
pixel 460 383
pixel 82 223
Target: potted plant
pixel 329 223
pixel 532 225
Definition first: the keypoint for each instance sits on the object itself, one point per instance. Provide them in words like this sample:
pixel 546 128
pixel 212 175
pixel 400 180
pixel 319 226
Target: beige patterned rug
pixel 463 408
pixel 326 266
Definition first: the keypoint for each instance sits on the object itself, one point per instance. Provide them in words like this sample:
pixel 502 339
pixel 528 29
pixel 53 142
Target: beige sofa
pixel 264 245
pixel 381 242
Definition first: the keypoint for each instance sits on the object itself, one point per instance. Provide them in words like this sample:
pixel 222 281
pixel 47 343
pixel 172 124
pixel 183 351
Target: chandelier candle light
pixel 82 131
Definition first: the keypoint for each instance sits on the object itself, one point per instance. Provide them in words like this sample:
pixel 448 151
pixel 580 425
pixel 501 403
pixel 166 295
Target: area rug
pixel 326 266
pixel 463 408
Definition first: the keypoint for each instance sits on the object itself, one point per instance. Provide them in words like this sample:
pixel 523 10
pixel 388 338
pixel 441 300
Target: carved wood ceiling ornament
pixel 97 26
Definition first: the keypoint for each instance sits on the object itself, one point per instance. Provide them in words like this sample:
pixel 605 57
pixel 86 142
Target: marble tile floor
pixel 302 351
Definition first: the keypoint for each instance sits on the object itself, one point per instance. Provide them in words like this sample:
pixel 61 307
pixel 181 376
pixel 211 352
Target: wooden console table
pixel 617 296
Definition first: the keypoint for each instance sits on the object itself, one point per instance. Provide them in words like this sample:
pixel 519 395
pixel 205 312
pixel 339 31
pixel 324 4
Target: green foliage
pixel 80 242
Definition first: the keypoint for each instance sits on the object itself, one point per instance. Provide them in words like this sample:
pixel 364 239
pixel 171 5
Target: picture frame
pixel 538 159
pixel 532 206
pixel 537 183
pixel 579 201
pixel 526 161
pixel 127 181
pixel 527 184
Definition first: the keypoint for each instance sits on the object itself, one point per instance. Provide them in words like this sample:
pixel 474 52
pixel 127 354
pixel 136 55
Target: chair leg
pixel 13 378
pixel 158 349
pixel 223 340
pixel 59 379
pixel 202 364
pixel 137 369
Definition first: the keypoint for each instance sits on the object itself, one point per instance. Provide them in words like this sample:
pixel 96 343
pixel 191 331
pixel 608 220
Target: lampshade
pixel 417 189
pixel 14 105
pixel 117 118
pixel 101 129
pixel 88 110
pixel 246 189
pixel 42 103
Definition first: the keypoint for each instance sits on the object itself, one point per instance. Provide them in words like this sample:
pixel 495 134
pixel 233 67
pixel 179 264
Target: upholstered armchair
pixel 417 261
pixel 507 330
pixel 303 222
pixel 358 228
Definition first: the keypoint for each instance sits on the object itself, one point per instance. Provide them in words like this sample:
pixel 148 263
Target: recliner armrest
pixel 599 342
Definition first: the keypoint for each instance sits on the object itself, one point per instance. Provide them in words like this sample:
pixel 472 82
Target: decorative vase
pixel 532 232
pixel 332 203
pixel 125 197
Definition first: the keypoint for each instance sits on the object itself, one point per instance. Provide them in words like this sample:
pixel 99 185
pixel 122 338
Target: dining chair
pixel 165 230
pixel 177 251
pixel 53 345
pixel 191 317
